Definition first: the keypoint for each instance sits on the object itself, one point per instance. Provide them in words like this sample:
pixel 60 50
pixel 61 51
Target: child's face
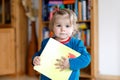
pixel 62 27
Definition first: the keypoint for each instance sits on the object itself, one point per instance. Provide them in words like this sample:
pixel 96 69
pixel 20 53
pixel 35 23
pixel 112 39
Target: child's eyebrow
pixel 57 23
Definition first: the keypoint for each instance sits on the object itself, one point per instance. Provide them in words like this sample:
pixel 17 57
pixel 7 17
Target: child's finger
pixel 63 58
pixel 60 67
pixel 38 60
pixel 59 62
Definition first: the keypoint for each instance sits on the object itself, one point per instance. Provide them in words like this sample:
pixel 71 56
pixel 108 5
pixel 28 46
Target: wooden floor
pixel 18 78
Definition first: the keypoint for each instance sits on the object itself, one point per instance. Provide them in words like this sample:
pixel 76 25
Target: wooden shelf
pixel 83 21
pixel 85 75
pixel 88 47
pixel 91 22
pixel 47 22
pixel 13 37
pixel 5 25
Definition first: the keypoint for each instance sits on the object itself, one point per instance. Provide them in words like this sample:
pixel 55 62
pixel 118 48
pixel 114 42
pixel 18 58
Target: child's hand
pixel 62 63
pixel 36 61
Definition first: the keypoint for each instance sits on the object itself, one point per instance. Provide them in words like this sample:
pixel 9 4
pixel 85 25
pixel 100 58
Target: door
pixel 7 51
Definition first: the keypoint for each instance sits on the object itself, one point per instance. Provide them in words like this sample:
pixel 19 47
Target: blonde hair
pixel 70 13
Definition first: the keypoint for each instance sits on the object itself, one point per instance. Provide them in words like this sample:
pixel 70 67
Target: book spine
pixel 76 7
pixel 83 35
pixel 88 37
pixel 68 1
pixel 88 9
pixel 79 10
pixel 55 2
pixel 84 10
pixel 45 12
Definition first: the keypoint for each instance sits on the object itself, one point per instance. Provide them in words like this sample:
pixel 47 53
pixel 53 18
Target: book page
pixel 52 51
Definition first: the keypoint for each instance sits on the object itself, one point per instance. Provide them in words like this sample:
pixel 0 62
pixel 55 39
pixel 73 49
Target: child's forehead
pixel 62 16
pixel 65 19
pixel 62 21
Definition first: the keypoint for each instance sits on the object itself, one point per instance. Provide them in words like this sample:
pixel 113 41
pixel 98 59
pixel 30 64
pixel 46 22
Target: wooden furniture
pixel 7 51
pixel 32 48
pixel 13 37
pixel 88 73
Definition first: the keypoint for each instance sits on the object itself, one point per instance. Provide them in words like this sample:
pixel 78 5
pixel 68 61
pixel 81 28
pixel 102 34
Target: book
pixel 68 1
pixel 79 11
pixel 76 7
pixel 45 13
pixel 52 51
pixel 84 10
pixel 55 2
pixel 88 37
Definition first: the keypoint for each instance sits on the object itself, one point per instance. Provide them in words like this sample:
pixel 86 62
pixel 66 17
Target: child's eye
pixel 67 26
pixel 58 25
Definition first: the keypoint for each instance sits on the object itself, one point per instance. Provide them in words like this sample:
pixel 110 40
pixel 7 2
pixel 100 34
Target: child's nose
pixel 63 28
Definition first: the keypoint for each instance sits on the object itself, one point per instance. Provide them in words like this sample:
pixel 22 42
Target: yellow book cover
pixel 52 51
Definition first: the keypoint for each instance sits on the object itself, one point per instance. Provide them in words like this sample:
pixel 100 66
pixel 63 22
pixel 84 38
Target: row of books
pixel 80 7
pixel 83 10
pixel 83 33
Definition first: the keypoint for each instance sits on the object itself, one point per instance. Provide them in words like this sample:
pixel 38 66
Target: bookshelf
pixel 5 13
pixel 13 37
pixel 90 72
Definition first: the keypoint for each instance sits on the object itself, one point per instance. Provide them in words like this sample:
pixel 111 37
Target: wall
pixel 109 37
